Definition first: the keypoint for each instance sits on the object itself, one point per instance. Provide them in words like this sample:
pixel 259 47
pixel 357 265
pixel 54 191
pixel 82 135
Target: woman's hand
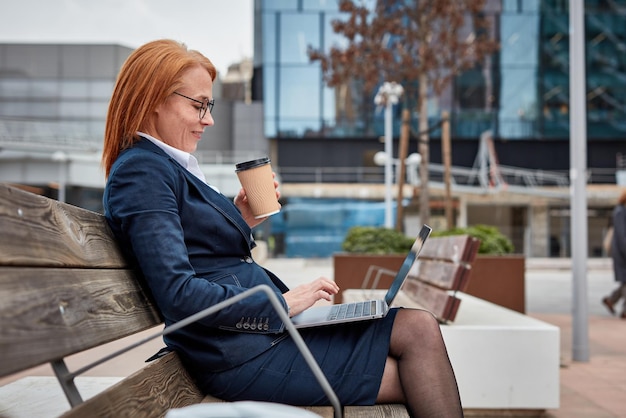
pixel 241 201
pixel 304 296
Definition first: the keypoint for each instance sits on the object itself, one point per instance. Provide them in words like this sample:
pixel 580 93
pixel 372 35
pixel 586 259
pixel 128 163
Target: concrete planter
pixel 499 279
pixel 350 269
pixel 496 278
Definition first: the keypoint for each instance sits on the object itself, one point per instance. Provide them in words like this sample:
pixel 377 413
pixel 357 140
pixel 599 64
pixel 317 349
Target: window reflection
pixel 303 30
pixel 298 99
pixel 521 92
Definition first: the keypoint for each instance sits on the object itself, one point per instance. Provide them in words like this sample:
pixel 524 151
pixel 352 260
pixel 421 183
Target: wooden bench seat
pixel 514 356
pixel 65 288
pixel 442 270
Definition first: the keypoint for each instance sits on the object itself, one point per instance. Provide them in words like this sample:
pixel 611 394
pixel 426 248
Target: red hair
pixel 148 77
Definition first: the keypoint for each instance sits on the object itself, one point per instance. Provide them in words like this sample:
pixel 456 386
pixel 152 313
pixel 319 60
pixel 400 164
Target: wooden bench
pixel 506 363
pixel 442 270
pixel 66 288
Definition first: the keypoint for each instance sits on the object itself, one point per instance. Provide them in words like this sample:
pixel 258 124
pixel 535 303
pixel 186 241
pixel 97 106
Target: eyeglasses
pixel 204 105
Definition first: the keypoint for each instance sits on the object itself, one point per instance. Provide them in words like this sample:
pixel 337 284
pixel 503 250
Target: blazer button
pixel 247 259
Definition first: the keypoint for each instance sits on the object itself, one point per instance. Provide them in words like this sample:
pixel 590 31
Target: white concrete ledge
pixel 502 359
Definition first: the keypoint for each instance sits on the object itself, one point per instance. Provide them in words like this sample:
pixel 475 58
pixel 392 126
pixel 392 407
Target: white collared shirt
pixel 188 161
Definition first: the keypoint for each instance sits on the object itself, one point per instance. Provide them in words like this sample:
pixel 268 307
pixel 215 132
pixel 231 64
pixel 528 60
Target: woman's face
pixel 176 121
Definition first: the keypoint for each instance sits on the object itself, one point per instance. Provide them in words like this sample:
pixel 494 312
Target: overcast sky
pixel 220 29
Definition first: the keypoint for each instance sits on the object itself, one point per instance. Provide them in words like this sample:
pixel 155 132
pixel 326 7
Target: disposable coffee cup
pixel 256 179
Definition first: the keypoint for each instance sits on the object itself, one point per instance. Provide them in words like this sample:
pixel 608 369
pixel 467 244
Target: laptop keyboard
pixel 352 310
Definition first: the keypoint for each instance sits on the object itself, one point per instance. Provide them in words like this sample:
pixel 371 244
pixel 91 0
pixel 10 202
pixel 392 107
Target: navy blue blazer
pixel 193 248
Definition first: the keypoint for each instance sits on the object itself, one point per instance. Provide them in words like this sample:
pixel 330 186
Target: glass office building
pixel 522 93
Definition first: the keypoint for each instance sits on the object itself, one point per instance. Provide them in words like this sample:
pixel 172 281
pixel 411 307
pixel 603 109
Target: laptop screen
pixel 407 264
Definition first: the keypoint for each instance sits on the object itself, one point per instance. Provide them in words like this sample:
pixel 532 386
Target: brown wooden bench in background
pixel 442 270
pixel 494 351
pixel 65 288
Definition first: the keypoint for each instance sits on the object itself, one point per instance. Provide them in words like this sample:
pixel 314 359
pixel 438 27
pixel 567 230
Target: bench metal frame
pixel 66 378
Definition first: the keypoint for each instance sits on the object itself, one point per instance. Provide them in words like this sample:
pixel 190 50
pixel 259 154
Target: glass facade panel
pixel 299 102
pixel 606 72
pixel 15 109
pixel 98 109
pixel 42 110
pixel 269 127
pixel 327 5
pixel 73 89
pixel 518 100
pixel 518 103
pixel 269 38
pixel 270 92
pixel 304 31
pixel 299 127
pixel 554 82
pixel 45 88
pixel 280 5
pixel 12 87
pixel 511 6
pixel 523 95
pixel 101 89
pixel 75 109
pixel 519 37
pixel 531 5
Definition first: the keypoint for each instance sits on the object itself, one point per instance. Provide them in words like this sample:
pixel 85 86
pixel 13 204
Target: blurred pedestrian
pixel 618 254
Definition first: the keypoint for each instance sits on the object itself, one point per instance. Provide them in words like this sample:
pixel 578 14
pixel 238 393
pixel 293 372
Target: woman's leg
pixel 418 371
pixel 615 295
pixel 622 294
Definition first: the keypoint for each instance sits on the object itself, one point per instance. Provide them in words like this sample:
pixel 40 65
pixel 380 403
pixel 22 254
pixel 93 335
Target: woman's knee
pixel 418 319
pixel 413 325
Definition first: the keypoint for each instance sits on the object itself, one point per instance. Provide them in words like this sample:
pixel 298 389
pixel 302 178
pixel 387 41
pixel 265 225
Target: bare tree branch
pixel 409 42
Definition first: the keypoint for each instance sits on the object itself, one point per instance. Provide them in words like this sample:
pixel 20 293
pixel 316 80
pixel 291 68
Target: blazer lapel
pixel 220 202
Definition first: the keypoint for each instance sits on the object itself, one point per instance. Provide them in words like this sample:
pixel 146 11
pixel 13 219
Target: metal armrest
pixel 66 378
pixel 379 272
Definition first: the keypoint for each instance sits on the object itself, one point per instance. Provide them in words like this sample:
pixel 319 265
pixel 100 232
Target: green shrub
pixel 376 240
pixel 380 240
pixel 492 241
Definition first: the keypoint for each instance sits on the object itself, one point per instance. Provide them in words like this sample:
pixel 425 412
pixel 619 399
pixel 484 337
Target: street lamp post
pixel 388 95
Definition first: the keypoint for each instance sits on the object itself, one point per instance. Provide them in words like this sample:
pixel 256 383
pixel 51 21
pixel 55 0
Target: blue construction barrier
pixel 317 227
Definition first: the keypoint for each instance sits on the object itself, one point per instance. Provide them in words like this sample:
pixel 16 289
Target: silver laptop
pixel 370 309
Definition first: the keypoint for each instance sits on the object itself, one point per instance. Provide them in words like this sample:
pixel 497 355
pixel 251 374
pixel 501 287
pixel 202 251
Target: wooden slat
pixel 454 248
pixel 437 273
pixel 464 280
pixel 39 231
pixel 375 411
pixel 442 304
pixel 161 385
pixel 46 314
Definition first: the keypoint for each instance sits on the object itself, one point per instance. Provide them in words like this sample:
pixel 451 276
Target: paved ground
pixel 594 388
pixel 589 389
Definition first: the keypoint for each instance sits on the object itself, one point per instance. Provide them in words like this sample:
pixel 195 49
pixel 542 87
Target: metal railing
pixel 465 176
pixel 62 136
pixel 47 135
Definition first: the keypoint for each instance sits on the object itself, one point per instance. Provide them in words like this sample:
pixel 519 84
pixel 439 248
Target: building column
pixel 538 231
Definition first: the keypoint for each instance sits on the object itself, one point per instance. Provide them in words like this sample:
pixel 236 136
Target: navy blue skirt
pixel 352 356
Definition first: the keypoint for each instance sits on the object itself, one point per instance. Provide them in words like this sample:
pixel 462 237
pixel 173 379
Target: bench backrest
pixel 442 269
pixel 64 285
